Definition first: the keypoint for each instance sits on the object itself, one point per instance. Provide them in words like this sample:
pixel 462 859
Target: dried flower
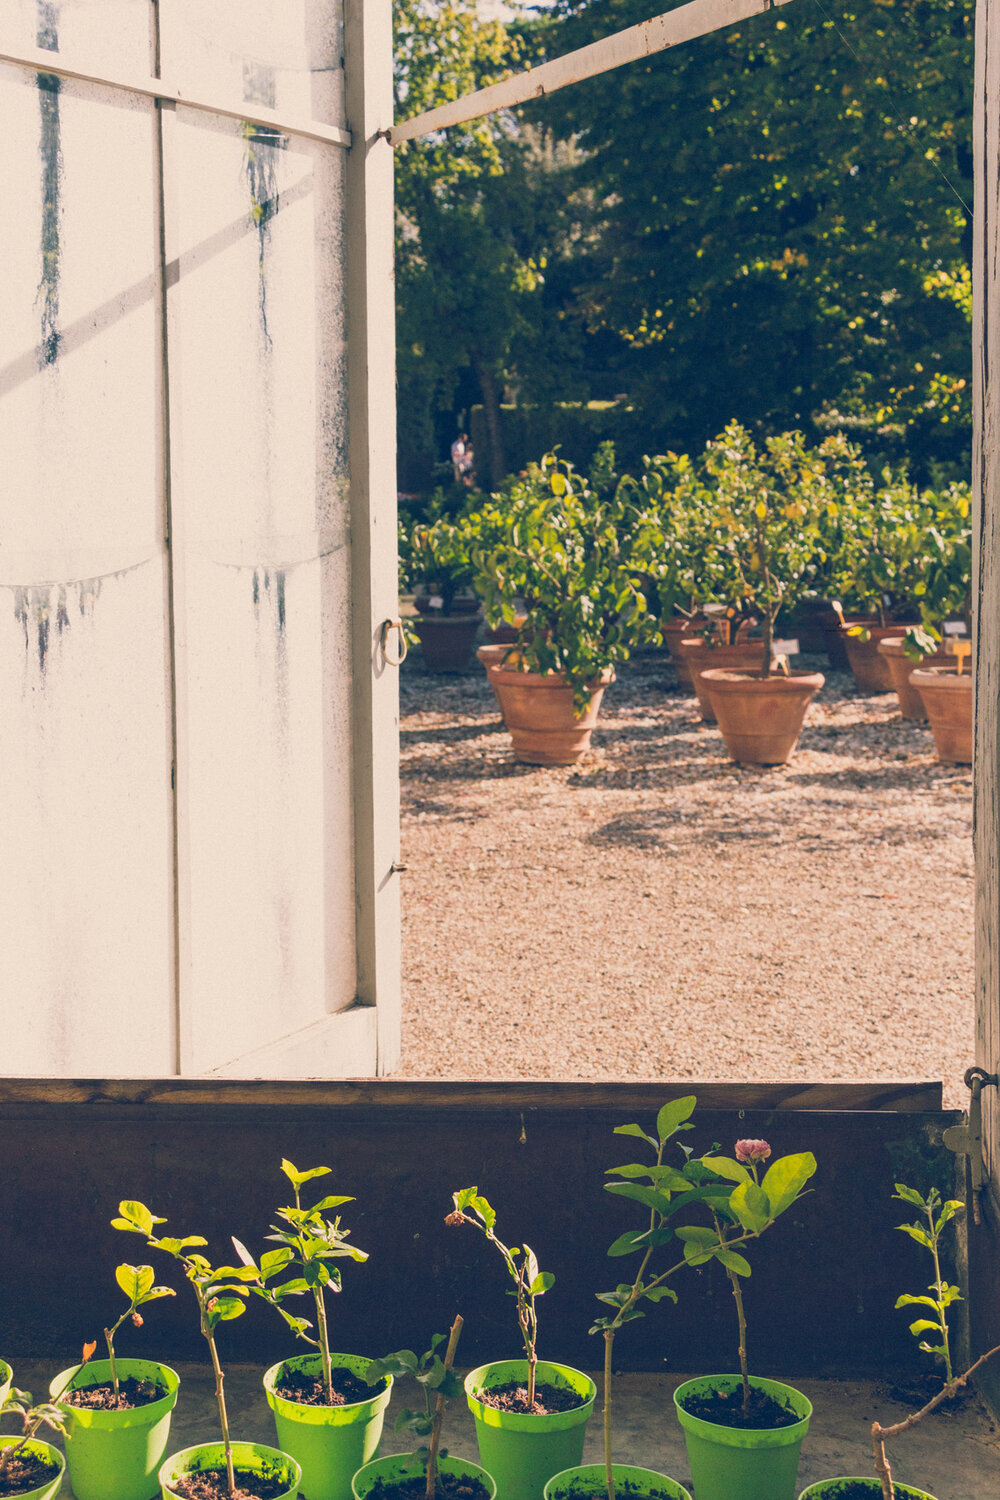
pixel 136 1320
pixel 752 1151
pixel 455 1217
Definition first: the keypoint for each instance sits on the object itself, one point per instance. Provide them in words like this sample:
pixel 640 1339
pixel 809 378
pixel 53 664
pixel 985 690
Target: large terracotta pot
pixel 871 671
pixel 948 701
pixel 760 718
pixel 537 709
pixel 700 655
pixel 893 649
pixel 447 640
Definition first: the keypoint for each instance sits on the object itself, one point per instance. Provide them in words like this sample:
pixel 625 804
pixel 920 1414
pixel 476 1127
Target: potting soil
pixel 25 1472
pixel 310 1390
pixel 212 1484
pixel 449 1487
pixel 513 1396
pixel 132 1392
pixel 725 1409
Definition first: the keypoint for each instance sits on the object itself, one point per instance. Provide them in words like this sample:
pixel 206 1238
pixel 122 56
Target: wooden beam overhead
pixel 699 18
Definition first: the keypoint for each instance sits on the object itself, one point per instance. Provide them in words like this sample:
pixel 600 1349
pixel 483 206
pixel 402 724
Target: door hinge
pixel 967 1139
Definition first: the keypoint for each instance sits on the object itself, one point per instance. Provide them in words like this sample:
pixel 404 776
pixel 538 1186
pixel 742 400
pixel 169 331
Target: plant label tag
pixel 954 627
pixel 785 648
pixel 436 602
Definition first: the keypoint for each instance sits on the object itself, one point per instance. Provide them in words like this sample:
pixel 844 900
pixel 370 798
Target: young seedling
pixel 220 1292
pixel 137 1284
pixel 739 1214
pixel 753 1205
pixel 522 1267
pixel 34 1418
pixel 937 1214
pixel 309 1243
pixel 440 1384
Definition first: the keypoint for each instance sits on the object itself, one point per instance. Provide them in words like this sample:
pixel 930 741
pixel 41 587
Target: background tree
pixel 778 238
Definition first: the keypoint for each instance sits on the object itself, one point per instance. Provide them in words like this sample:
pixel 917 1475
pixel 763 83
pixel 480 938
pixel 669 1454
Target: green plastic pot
pixel 330 1443
pixel 399 1466
pixel 253 1458
pixel 6 1377
pixel 115 1455
pixel 829 1489
pixel 41 1450
pixel 732 1463
pixel 522 1450
pixel 572 1483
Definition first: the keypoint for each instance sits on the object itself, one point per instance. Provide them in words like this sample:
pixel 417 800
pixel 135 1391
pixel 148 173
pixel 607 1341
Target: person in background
pixel 462 458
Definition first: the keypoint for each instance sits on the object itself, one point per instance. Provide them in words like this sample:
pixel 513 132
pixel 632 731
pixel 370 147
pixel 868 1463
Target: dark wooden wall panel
pixel 207 1156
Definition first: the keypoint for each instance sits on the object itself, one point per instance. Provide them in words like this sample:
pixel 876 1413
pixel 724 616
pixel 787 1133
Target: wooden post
pixel 984 1241
pixel 372 386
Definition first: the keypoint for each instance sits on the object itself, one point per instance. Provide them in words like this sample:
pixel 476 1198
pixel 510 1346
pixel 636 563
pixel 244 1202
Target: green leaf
pixel 697 1234
pixel 626 1244
pixel 673 1114
pixel 785 1179
pixel 171 1246
pixel 925 1325
pixel 297 1178
pixel 907 1301
pixel 135 1281
pixel 136 1216
pixel 750 1204
pixel 651 1197
pixel 155 1293
pixel 637 1131
pixel 657 1294
pixel 734 1262
pixel 916 1232
pixel 325 1203
pixel 541 1283
pixel 224 1309
pixel 727 1167
pixel 908 1195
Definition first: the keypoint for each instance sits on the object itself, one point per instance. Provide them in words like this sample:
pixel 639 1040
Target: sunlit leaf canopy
pixel 770 224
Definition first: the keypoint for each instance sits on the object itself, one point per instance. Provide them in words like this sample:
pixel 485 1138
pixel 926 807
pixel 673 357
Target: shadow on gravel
pixel 450 734
pixel 672 832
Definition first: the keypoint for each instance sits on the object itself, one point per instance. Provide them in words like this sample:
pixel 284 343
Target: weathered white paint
pixel 257 358
pixel 177 556
pixel 33 60
pixel 85 805
pixel 371 301
pixel 681 25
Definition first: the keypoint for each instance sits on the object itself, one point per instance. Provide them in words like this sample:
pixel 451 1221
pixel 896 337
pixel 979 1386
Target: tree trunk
pixel 496 464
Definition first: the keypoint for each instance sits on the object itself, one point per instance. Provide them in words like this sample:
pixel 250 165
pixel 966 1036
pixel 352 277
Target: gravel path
pixel 656 912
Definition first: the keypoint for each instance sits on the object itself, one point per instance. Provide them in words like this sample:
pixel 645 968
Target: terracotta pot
pixel 948 701
pixel 871 671
pixel 447 640
pixel 673 633
pixel 537 709
pixel 700 655
pixel 760 718
pixel 911 705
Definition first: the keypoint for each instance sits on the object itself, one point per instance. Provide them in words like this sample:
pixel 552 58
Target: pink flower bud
pixel 752 1151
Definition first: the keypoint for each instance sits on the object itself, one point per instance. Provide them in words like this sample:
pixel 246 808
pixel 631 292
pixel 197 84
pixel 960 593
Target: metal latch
pixel 967 1139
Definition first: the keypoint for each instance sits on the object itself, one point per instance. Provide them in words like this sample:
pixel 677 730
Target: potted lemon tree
pixel 567 564
pixel 766 506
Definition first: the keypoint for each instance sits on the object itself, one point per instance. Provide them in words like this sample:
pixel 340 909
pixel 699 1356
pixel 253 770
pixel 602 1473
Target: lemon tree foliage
pixel 579 556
